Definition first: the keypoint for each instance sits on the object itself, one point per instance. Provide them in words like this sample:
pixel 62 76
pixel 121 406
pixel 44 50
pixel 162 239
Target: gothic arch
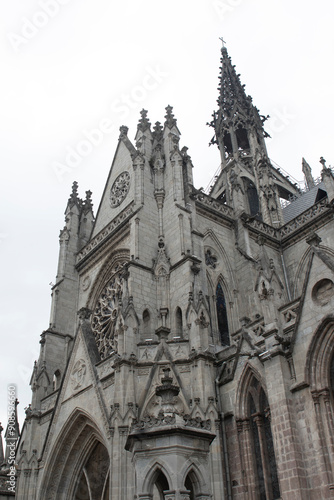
pixel 248 373
pixel 210 234
pixel 257 454
pixel 71 450
pixel 196 476
pixel 178 322
pixel 151 474
pixel 320 376
pixel 300 273
pixel 302 268
pixel 223 310
pixel 320 354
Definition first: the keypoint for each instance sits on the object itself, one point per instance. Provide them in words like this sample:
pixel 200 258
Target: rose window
pixel 119 189
pixel 105 318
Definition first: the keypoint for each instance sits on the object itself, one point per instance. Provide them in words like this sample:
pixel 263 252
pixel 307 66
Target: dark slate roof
pixel 305 201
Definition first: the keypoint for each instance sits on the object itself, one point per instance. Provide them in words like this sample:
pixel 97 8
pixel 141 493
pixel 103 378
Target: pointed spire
pixel 235 108
pixel 88 204
pixel 144 122
pixel 231 90
pixel 308 174
pixel 157 131
pixel 170 120
pixel 73 199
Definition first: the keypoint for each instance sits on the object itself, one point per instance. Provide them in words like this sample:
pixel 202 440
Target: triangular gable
pixel 80 377
pixel 122 162
pixel 163 359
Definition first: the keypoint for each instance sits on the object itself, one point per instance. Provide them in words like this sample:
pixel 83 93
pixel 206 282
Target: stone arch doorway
pixel 79 464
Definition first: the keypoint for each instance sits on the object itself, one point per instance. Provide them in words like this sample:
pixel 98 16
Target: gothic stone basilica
pixel 190 352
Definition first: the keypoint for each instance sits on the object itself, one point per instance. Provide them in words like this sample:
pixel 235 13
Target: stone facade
pixel 191 341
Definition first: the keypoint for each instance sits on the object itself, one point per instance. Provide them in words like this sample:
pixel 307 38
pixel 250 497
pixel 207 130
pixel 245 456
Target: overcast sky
pixel 70 66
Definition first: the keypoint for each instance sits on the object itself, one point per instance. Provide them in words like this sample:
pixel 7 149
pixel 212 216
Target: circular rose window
pixel 119 189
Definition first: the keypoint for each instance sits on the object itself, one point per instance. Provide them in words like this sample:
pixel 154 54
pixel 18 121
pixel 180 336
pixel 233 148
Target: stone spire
pixel 74 199
pixel 308 174
pixel 144 122
pixel 170 120
pixel 237 123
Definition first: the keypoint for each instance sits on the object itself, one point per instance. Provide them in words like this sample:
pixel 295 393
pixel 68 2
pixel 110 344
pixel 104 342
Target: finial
pixel 123 131
pixel 308 174
pixel 74 195
pixel 144 122
pixel 170 120
pixel 323 162
pixel 88 201
pixel 157 131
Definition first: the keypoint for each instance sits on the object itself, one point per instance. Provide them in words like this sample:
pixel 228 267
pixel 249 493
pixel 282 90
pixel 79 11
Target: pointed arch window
pixel 160 486
pixel 261 442
pixel 146 323
pixel 242 138
pixel 331 376
pixel 252 197
pixel 56 380
pixel 178 322
pixel 222 316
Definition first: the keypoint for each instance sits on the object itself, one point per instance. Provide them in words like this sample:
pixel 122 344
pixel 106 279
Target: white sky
pixel 79 66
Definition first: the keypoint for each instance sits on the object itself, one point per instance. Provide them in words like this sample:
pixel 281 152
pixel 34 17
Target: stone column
pixel 258 419
pixel 290 468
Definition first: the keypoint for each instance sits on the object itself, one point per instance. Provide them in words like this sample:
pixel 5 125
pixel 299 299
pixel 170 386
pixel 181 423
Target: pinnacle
pixel 170 120
pixel 144 122
pixel 157 131
pixel 74 195
pixel 88 201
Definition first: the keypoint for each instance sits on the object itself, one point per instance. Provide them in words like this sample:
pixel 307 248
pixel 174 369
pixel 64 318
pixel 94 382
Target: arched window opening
pixel 227 145
pixel 262 443
pixel 146 324
pixel 222 197
pixel 331 376
pixel 160 486
pixel 189 486
pixel 242 138
pixel 93 483
pixel 252 197
pixel 222 316
pixel 178 323
pixel 56 380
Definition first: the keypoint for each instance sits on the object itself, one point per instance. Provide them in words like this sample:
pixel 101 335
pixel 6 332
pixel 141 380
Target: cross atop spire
pixel 223 42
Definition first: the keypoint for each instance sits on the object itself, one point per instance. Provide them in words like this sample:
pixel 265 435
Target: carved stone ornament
pixel 78 374
pixel 106 314
pixel 119 189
